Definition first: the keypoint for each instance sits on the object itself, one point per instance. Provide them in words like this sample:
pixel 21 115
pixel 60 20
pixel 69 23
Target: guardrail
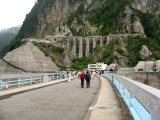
pixel 17 80
pixel 142 100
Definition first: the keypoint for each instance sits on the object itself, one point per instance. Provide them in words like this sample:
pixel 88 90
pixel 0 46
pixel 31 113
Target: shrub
pixel 81 63
pixel 120 50
pixel 15 44
pixel 46 53
pixel 107 53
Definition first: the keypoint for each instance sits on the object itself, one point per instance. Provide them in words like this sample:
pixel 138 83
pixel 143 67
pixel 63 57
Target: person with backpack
pixel 88 78
pixel 82 76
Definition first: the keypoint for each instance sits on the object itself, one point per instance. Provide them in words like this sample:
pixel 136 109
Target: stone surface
pixel 7 68
pixel 87 47
pixel 151 6
pixel 80 47
pixel 137 26
pixel 29 58
pixel 149 78
pixel 145 52
pixel 74 46
pixel 67 60
pixel 158 65
pixel 145 66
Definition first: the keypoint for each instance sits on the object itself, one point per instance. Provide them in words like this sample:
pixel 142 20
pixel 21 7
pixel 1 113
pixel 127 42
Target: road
pixel 63 101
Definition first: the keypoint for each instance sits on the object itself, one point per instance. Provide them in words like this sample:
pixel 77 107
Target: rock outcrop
pixel 145 52
pixel 27 58
pixel 151 6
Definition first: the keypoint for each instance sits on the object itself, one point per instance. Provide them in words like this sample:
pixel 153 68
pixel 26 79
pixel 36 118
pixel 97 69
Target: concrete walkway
pixel 31 87
pixel 107 106
pixel 63 101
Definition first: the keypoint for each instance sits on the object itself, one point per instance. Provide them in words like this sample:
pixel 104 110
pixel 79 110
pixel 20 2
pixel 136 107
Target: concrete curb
pixel 32 87
pixel 107 103
pixel 88 114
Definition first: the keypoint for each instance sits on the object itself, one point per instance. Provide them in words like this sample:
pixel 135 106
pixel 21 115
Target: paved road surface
pixel 63 101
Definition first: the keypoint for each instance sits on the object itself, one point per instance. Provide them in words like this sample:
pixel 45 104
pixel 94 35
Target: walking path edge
pixel 31 87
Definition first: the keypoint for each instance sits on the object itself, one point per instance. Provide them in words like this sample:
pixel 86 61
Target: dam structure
pixel 80 46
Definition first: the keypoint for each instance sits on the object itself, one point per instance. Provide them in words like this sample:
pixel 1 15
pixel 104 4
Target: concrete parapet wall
pixel 149 78
pixel 148 96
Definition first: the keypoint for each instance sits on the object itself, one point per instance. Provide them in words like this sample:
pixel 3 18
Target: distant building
pixel 112 67
pixel 148 66
pixel 97 66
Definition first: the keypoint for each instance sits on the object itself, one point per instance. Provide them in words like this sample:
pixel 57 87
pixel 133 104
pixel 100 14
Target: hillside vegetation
pixel 96 17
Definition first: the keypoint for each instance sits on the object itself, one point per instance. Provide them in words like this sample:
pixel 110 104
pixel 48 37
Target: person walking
pixel 69 76
pixel 88 78
pixel 79 74
pixel 63 74
pixel 82 76
pixel 94 75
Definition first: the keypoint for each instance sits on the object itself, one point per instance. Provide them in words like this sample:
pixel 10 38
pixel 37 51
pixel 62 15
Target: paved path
pixel 63 101
pixel 107 106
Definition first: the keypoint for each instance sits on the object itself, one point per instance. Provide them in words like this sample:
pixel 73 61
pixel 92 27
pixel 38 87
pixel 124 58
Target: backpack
pixel 88 75
pixel 82 75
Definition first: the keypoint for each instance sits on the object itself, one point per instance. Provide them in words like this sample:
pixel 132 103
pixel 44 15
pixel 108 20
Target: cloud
pixel 13 12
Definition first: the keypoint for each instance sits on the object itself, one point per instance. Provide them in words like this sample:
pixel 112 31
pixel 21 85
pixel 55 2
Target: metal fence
pixel 137 109
pixel 18 80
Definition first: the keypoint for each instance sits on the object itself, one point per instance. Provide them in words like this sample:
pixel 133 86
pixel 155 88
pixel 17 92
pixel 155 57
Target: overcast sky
pixel 13 12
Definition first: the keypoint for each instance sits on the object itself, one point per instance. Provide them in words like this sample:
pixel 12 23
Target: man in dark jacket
pixel 88 78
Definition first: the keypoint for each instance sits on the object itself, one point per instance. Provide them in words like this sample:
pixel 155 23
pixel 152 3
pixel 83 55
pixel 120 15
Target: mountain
pixel 7 36
pixel 99 18
pixel 88 17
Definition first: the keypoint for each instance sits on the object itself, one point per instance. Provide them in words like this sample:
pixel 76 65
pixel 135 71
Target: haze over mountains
pixel 8 35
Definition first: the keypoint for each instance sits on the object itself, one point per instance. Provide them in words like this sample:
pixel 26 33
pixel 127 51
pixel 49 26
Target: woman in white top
pixel 94 74
pixel 69 76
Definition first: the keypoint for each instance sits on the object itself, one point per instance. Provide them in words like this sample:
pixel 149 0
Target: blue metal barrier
pixel 22 80
pixel 1 84
pixel 19 82
pixel 137 110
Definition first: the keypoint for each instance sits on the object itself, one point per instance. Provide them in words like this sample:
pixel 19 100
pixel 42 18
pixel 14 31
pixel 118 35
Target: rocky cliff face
pixel 74 17
pixel 50 15
pixel 151 6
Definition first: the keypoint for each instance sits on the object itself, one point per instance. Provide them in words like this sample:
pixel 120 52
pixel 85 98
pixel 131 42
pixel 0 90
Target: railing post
pixel 60 76
pixel 40 78
pixel 53 77
pixel 123 88
pixel 45 78
pixel 31 80
pixel 19 82
pixel 57 76
pixel 49 78
pixel 1 86
pixel 131 96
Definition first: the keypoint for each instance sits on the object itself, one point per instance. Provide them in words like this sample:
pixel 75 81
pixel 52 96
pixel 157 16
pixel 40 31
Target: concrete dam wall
pixel 80 46
pixel 149 78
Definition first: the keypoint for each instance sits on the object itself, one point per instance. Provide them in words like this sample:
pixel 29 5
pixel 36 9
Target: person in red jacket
pixel 82 79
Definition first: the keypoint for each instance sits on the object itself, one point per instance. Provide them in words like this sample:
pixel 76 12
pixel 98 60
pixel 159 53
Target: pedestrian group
pixel 82 76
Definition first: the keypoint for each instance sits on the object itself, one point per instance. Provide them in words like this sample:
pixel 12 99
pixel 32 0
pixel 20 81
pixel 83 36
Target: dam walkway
pixel 111 97
pixel 63 101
